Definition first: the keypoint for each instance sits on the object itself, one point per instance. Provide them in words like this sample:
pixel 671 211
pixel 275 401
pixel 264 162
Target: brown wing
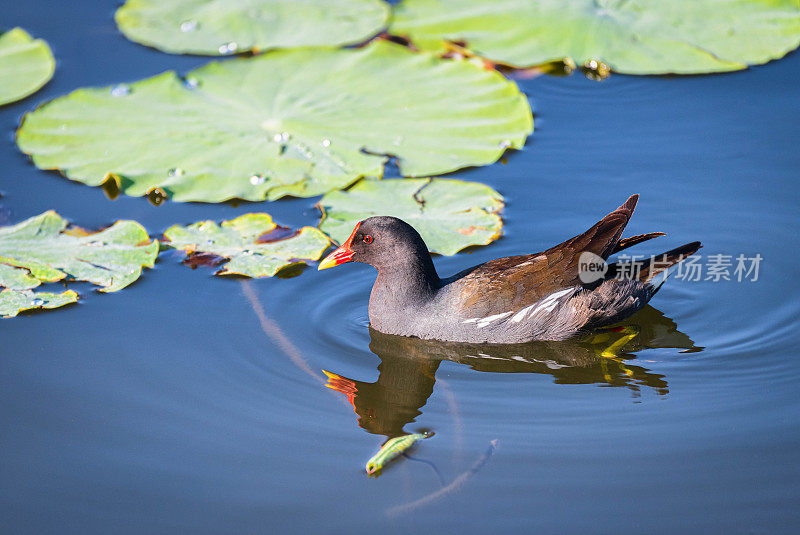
pixel 515 282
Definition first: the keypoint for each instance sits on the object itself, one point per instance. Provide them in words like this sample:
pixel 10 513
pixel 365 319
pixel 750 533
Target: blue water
pixel 193 403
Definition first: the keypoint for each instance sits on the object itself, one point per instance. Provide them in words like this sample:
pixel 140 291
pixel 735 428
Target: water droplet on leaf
pixel 228 48
pixel 176 172
pixel 302 150
pixel 37 302
pixel 120 90
pixel 156 196
pixel 257 180
pixel 596 70
pixel 326 142
pixel 188 25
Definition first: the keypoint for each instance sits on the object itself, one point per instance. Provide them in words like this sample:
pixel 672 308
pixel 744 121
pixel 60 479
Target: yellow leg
pixel 612 350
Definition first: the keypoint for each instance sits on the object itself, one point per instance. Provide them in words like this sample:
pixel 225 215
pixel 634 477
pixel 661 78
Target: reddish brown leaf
pixel 277 234
pixel 203 259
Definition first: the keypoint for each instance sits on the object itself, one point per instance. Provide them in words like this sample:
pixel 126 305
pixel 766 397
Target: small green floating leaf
pixel 26 64
pixel 42 249
pixel 254 244
pixel 449 214
pixel 291 122
pixel 214 27
pixel 634 36
pixel 393 448
pixel 13 302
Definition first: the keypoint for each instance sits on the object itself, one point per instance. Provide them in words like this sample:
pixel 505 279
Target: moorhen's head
pixel 385 243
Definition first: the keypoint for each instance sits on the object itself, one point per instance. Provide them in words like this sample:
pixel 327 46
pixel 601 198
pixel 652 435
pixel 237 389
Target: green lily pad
pixel 291 122
pixel 632 36
pixel 449 214
pixel 253 243
pixel 42 249
pixel 216 27
pixel 17 279
pixel 13 302
pixel 26 64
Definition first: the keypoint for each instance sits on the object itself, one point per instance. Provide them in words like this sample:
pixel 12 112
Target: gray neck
pixel 400 290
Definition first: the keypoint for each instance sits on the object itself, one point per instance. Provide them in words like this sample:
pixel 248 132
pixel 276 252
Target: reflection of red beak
pixel 342 384
pixel 342 254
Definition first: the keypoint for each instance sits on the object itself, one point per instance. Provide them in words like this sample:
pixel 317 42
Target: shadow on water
pixel 407 369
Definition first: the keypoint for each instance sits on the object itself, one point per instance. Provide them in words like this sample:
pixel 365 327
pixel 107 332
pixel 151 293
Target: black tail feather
pixel 645 270
pixel 630 241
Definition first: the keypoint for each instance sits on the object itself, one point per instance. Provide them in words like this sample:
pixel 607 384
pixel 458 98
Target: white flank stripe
pixel 521 314
pixel 559 294
pixel 549 303
pixel 483 322
pixel 487 320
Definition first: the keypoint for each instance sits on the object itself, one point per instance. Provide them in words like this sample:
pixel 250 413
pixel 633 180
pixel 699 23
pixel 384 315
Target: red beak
pixel 342 254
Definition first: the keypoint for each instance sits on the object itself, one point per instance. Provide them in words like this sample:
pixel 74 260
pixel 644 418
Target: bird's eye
pixel 367 238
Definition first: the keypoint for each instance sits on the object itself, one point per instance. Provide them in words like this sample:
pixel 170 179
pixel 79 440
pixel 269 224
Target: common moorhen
pixel 540 296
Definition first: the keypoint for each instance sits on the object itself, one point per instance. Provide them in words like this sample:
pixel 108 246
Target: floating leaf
pixel 635 36
pixel 13 302
pixel 26 64
pixel 17 278
pixel 393 448
pixel 292 122
pixel 249 243
pixel 448 214
pixel 40 249
pixel 214 27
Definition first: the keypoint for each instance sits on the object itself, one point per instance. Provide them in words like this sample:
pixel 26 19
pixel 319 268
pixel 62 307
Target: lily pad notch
pixel 449 214
pixel 298 122
pixel 45 249
pixel 251 245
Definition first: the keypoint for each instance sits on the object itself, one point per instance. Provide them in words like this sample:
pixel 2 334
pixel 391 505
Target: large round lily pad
pixel 26 64
pixel 218 27
pixel 253 243
pixel 43 249
pixel 632 36
pixel 291 122
pixel 449 214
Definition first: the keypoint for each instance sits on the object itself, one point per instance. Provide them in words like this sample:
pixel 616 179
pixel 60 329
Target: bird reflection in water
pixel 407 371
